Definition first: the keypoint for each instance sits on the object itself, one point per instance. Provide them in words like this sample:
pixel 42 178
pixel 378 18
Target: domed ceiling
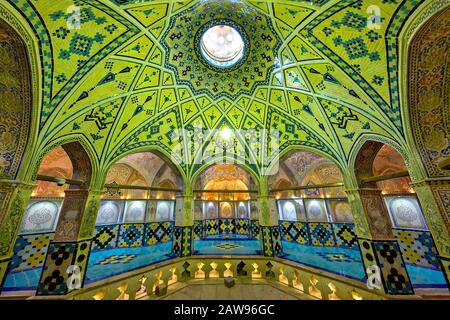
pixel 131 74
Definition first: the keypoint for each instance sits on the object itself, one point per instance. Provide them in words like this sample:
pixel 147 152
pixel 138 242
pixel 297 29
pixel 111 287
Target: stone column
pixel 14 198
pixel 434 197
pixel 270 235
pixel 68 254
pixel 183 242
pixel 382 258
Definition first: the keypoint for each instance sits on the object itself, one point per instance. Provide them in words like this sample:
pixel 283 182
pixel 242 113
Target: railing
pixel 149 282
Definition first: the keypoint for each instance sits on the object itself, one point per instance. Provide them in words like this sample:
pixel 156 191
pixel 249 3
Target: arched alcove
pixel 294 186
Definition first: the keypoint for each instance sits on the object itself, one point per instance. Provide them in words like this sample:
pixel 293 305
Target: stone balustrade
pixel 146 282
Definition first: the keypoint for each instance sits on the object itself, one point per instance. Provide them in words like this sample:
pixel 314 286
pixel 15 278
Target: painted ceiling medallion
pixel 201 62
pixel 222 46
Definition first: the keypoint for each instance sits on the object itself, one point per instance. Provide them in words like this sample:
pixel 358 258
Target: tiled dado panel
pixel 222 226
pixel 417 247
pixel 254 230
pixel 105 237
pixel 198 229
pixel 319 234
pixel 271 241
pixel 131 235
pixel 387 256
pixel 30 251
pixel 182 241
pixel 65 266
pixel 295 232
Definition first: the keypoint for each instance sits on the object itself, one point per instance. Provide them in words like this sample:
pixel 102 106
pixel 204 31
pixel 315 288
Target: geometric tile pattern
pixel 157 233
pixel 295 232
pixel 211 227
pixel 183 241
pixel 321 234
pixel 182 38
pixel 345 235
pixel 30 251
pixel 82 253
pixel 340 257
pixel 226 227
pixel 121 259
pixel 105 237
pixel 53 278
pixel 55 273
pixel 241 226
pixel 418 248
pixel 387 256
pixel 392 267
pixel 131 235
pixel 327 51
pixel 254 230
pixel 227 246
pixel 276 241
pixel 271 241
pixel 198 229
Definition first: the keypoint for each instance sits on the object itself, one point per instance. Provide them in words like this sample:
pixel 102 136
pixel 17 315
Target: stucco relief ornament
pixel 406 213
pixel 40 217
pixel 107 214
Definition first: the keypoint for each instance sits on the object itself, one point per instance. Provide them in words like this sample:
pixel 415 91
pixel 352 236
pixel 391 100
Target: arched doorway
pixel 225 195
pixel 309 188
pixel 138 206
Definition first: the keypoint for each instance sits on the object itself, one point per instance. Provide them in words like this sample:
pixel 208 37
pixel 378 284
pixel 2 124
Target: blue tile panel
pixel 212 227
pixel 341 235
pixel 271 241
pixel 62 256
pixel 183 241
pixel 387 256
pixel 418 248
pixel 131 235
pixel 227 247
pixel 30 251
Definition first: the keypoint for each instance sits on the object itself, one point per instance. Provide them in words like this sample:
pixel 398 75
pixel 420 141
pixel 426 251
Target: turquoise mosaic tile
pixel 128 259
pixel 227 247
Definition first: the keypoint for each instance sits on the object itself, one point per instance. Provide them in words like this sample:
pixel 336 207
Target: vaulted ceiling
pixel 132 74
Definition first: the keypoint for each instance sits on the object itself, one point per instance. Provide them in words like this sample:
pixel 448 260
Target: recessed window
pixel 222 46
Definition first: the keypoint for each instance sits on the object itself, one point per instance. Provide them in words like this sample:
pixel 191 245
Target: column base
pixel 183 241
pixel 64 268
pixel 385 256
pixel 271 241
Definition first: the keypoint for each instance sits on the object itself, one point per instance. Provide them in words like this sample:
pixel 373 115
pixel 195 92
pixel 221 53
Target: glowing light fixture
pixel 225 133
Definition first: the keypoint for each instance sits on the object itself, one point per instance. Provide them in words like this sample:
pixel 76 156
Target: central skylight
pixel 222 46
